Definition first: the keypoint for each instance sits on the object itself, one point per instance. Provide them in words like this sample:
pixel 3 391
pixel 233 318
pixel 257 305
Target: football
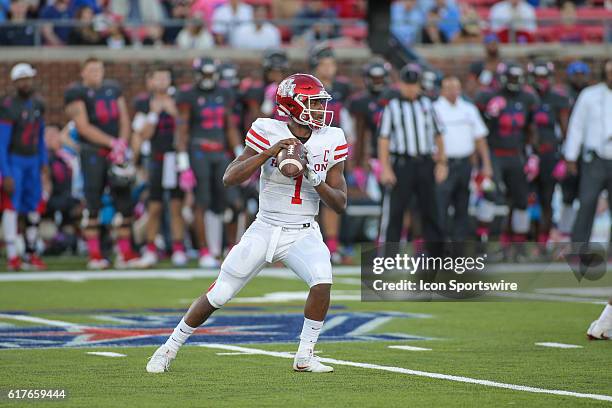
pixel 292 160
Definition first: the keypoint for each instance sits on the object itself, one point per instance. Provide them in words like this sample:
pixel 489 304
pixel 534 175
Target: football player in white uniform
pixel 601 329
pixel 285 229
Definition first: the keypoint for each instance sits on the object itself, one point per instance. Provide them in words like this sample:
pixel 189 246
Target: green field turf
pixel 480 340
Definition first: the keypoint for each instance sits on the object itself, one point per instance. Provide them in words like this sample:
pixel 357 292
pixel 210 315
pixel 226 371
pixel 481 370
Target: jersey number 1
pixel 296 199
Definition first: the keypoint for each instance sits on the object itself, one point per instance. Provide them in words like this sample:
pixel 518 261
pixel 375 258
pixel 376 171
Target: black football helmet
pixel 318 52
pixel 229 74
pixel 511 76
pixel 122 175
pixel 541 74
pixel 207 72
pixel 376 75
pixel 275 60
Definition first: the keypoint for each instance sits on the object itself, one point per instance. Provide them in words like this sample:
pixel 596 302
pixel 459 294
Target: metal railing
pixel 102 24
pixel 413 27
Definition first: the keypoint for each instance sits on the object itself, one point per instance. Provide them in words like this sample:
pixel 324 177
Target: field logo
pixel 129 330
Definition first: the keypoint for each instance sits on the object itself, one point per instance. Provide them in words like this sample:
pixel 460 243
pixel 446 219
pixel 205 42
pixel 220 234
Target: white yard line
pixel 180 274
pixel 236 353
pixel 410 348
pixel 39 320
pixel 558 345
pixel 106 354
pixel 456 378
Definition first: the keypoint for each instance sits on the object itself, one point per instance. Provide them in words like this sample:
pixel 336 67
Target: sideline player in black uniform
pixel 205 134
pixel 23 160
pixel 367 107
pixel 551 119
pixel 237 196
pixel 260 96
pixel 155 120
pixel 509 114
pixel 100 115
pixel 323 64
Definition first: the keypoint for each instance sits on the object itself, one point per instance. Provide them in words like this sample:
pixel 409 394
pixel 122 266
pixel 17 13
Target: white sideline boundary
pixel 438 376
pixel 192 273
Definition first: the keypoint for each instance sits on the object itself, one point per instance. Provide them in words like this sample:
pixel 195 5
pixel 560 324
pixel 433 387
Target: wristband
pixel 152 118
pixel 182 161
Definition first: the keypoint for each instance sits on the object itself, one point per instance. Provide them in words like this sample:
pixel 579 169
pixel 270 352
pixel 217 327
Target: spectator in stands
pixel 431 32
pixel 228 17
pixel 18 33
pixel 449 19
pixel 180 10
pixel 92 4
pixel 195 36
pixel 258 34
pixel 311 20
pixel 138 10
pixel 58 11
pixel 153 35
pixel 406 20
pixel 116 37
pixel 85 34
pixel 470 23
pixel 517 15
pixel 205 8
pixel 568 31
pixel 5 6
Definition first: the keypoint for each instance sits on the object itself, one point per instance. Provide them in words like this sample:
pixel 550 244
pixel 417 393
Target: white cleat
pixel 208 261
pixel 160 360
pixel 599 332
pixel 179 258
pixel 311 364
pixel 148 259
pixel 98 264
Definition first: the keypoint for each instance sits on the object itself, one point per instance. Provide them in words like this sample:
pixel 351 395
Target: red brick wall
pixel 54 77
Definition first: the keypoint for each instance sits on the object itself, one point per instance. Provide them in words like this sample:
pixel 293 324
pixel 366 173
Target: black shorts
pixel 94 166
pixel 508 170
pixel 156 189
pixel 209 168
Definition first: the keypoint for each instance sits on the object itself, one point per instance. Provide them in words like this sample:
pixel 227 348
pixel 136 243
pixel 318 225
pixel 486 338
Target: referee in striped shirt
pixel 413 160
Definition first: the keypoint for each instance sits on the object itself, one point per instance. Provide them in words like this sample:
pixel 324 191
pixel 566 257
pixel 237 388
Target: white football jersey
pixel 284 200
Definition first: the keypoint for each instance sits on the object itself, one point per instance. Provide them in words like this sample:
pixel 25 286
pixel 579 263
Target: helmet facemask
pixel 513 79
pixel 314 110
pixel 207 77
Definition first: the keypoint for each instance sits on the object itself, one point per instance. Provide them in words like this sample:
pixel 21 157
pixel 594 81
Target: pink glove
pixel 376 168
pixel 532 167
pixel 187 180
pixel 495 106
pixel 560 170
pixel 361 177
pixel 118 149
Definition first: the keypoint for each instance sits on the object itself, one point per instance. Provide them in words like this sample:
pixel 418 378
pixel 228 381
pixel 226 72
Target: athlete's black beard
pixel 25 93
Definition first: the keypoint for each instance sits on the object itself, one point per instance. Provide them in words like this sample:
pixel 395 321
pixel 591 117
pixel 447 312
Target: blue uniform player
pixel 23 158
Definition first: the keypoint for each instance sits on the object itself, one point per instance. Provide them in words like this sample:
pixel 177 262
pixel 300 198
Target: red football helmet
pixel 304 98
